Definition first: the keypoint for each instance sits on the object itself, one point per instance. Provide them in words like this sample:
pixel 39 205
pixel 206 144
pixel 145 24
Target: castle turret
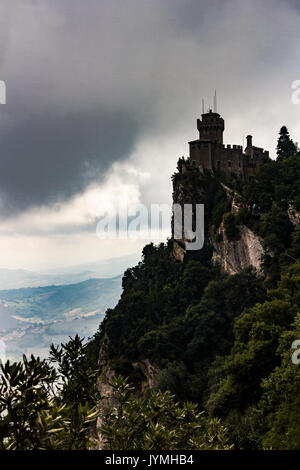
pixel 211 127
pixel 249 140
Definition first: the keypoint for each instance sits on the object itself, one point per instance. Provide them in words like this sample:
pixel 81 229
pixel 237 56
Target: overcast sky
pixel 103 96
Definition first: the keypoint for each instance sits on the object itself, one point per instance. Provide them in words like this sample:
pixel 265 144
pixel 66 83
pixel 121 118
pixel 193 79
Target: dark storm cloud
pixel 6 10
pixel 47 158
pixel 294 3
pixel 65 121
pixel 85 80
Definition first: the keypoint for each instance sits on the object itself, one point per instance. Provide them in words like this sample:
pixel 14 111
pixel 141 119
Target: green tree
pixel 47 407
pixel 77 388
pixel 243 397
pixel 285 146
pixel 280 402
pixel 157 423
pixel 276 229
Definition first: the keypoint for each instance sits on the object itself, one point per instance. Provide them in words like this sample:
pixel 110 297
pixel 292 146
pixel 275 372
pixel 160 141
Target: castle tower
pixel 209 152
pixel 249 141
pixel 211 127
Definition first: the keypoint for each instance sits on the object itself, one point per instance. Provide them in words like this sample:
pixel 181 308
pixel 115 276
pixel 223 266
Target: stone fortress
pixel 209 151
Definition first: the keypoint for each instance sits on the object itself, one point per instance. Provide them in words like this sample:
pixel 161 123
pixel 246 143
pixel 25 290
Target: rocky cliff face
pixel 108 397
pixel 150 371
pixel 236 255
pixel 232 255
pixel 294 216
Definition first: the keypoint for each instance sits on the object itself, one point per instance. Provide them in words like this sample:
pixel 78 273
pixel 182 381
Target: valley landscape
pixel 35 316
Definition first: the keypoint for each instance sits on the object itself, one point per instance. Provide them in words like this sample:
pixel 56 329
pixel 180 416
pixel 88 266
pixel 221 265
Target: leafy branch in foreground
pixel 158 423
pixel 46 406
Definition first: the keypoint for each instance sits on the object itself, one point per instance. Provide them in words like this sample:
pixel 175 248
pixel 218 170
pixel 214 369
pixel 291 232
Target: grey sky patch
pixel 89 83
pixel 49 158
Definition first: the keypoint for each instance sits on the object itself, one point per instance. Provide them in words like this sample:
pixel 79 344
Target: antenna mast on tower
pixel 215 101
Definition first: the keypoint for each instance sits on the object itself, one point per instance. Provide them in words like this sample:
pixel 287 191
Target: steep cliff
pixel 232 255
pixel 150 371
pixel 108 398
pixel 236 255
pixel 150 379
pixel 293 214
pixel 173 326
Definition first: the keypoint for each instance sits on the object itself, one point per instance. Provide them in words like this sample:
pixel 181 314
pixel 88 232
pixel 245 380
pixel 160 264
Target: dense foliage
pixel 221 341
pixel 55 408
pixel 285 145
pixel 49 404
pixel 224 342
pixel 158 423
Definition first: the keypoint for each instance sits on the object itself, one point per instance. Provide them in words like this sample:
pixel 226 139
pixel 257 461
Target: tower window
pixel 218 164
pixel 229 163
pixel 194 162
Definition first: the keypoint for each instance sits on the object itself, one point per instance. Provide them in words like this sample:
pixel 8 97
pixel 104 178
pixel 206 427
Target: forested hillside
pixel 208 348
pixel 222 341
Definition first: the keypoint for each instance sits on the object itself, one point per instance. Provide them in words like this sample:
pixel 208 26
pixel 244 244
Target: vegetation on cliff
pixel 222 343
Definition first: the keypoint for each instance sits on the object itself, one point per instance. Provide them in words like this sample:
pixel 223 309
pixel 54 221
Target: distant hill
pixel 32 318
pixel 109 268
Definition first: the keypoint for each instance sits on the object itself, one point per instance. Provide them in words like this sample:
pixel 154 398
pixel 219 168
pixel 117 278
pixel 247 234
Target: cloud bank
pixel 102 92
